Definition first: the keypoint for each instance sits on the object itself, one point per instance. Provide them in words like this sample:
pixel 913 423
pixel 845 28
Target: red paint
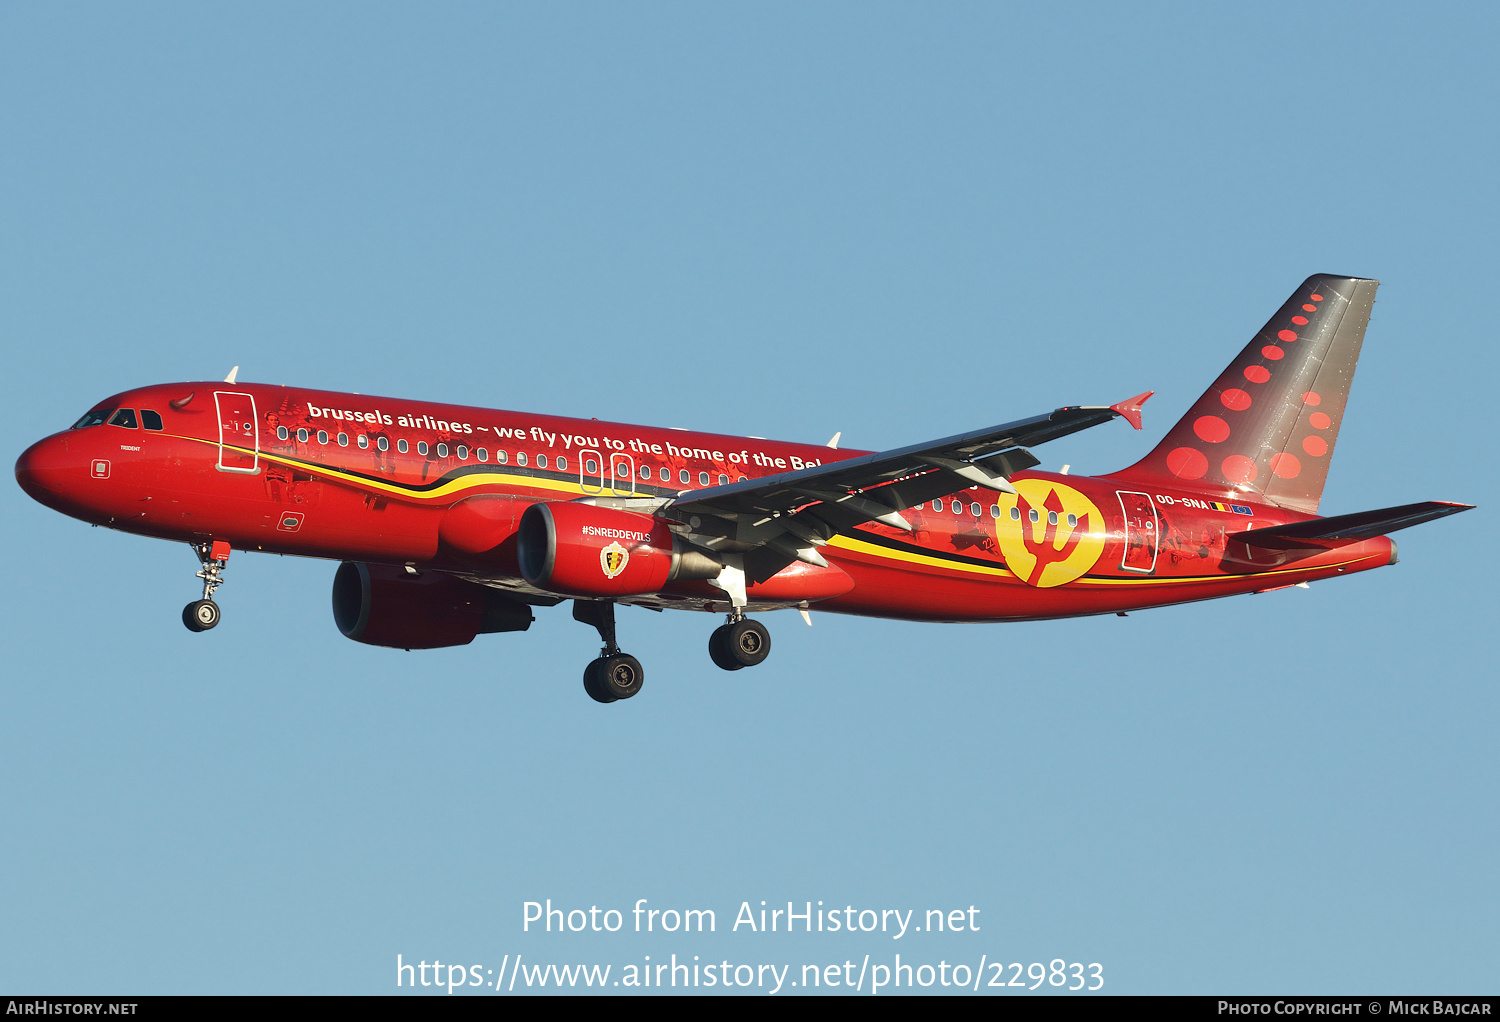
pixel 1309 308
pixel 1319 420
pixel 1316 446
pixel 1257 374
pixel 1235 399
pixel 1311 398
pixel 1239 469
pixel 1300 320
pixel 1212 429
pixel 1285 465
pixel 1316 298
pixel 1287 336
pixel 1187 463
pixel 1272 352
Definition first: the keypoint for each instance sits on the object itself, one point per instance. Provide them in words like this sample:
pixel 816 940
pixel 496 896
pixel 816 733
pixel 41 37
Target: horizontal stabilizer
pixel 1348 528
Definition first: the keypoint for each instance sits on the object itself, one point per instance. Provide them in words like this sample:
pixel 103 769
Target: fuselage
pixel 442 488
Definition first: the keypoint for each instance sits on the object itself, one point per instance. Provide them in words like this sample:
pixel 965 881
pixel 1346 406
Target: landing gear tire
pixel 615 677
pixel 743 643
pixel 718 650
pixel 200 615
pixel 592 685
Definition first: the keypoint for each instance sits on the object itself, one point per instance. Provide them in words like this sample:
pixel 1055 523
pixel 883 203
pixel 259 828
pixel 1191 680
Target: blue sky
pixel 785 221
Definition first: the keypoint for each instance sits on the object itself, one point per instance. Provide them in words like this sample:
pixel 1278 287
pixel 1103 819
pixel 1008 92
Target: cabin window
pixel 1051 517
pixel 622 470
pixel 500 457
pixel 1072 521
pixel 302 436
pixel 281 433
pixel 382 443
pixel 97 417
pixel 958 507
pixel 124 417
pixel 702 478
pixel 422 447
pixel 1015 514
pixel 541 461
pixel 685 476
pixel 994 510
pixel 666 475
pixel 343 439
pixel 482 454
pixel 975 509
pixel 646 473
pixel 322 436
pixel 1033 516
pixel 591 467
pixel 937 505
pixel 152 420
pixel 562 463
pixel 363 441
pixel 401 445
pixel 463 452
pixel 442 450
pixel 520 457
pixel 723 479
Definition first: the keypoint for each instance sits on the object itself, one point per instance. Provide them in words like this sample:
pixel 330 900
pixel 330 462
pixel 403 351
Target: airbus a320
pixel 451 522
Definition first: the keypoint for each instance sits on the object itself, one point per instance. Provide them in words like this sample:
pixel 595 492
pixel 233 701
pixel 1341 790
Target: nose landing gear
pixel 739 643
pixel 614 675
pixel 201 615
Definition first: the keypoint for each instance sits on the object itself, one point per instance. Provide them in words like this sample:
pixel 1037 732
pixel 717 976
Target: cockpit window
pixel 150 419
pixel 94 418
pixel 124 417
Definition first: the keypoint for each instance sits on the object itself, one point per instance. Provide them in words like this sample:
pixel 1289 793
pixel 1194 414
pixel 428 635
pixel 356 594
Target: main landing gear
pixel 201 615
pixel 739 643
pixel 614 675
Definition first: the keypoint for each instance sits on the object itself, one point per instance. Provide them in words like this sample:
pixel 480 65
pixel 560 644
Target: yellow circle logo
pixel 1049 533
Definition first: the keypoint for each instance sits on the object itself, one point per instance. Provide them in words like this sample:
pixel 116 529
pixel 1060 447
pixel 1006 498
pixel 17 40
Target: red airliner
pixel 453 521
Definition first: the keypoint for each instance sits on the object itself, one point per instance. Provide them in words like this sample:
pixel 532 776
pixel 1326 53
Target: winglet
pixel 1131 410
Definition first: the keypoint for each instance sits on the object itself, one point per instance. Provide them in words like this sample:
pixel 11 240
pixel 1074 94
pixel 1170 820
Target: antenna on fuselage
pixel 232 374
pixel 834 443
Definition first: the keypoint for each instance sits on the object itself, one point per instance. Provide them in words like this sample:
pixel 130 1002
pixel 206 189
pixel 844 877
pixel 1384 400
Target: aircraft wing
pixel 774 520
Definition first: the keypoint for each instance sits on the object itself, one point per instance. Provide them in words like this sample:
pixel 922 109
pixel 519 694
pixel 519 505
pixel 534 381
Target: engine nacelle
pixel 583 550
pixel 384 606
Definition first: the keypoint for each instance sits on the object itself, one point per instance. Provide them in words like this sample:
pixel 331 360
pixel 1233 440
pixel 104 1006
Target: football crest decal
pixel 613 559
pixel 1049 533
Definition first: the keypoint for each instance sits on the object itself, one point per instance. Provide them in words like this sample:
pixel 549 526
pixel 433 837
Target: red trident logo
pixel 1049 533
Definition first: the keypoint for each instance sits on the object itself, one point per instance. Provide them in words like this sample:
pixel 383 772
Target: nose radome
pixel 47 470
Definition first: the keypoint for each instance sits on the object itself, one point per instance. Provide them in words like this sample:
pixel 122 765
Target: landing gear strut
pixel 614 675
pixel 201 615
pixel 740 642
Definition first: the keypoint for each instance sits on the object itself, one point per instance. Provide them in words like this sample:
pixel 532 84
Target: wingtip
pixel 1130 409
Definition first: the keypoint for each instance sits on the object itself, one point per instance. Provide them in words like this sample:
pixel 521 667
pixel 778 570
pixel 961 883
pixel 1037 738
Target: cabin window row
pixel 1033 515
pixel 462 452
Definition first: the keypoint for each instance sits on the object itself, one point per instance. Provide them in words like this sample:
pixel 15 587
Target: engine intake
pixel 384 606
pixel 583 550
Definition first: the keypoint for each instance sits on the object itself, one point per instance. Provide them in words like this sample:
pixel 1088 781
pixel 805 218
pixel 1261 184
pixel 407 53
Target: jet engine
pixel 385 606
pixel 589 551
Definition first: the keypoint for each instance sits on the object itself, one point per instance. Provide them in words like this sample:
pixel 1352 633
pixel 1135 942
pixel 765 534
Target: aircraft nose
pixel 47 470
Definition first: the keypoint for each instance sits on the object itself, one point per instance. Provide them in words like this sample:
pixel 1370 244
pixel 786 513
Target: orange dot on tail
pixel 1211 428
pixel 1272 352
pixel 1316 446
pixel 1309 308
pixel 1316 298
pixel 1319 420
pixel 1239 469
pixel 1187 463
pixel 1257 374
pixel 1235 399
pixel 1300 320
pixel 1287 335
pixel 1311 398
pixel 1285 465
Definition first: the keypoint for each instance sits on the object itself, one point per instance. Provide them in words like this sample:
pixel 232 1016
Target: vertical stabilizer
pixel 1267 427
